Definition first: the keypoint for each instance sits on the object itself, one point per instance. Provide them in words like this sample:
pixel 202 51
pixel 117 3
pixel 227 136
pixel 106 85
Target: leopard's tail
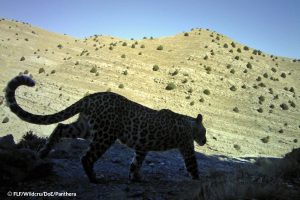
pixel 34 118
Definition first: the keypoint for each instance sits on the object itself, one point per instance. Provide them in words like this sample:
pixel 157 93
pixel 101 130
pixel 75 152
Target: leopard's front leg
pixel 96 150
pixel 136 165
pixel 189 157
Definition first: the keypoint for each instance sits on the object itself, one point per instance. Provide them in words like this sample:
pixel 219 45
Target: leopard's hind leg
pixel 77 129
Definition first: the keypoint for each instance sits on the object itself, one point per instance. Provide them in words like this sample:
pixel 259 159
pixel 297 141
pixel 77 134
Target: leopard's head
pixel 199 131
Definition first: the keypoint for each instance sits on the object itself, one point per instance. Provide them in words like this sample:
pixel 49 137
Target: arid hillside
pixel 249 99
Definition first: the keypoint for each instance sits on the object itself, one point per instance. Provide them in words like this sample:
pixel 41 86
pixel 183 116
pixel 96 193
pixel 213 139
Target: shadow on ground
pixel 165 176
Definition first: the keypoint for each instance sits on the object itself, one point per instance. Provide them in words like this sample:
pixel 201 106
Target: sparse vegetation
pixel 283 106
pixel 260 110
pixel 237 147
pixel 206 91
pixel 170 86
pixel 160 47
pixel 155 68
pixel 232 88
pixel 5 120
pixel 60 46
pixel 265 139
pixel 236 109
pixel 41 70
pixel 93 70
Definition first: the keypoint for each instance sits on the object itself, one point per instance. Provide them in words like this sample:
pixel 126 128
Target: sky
pixel 272 26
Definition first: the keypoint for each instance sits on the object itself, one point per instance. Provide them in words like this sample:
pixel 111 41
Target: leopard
pixel 107 117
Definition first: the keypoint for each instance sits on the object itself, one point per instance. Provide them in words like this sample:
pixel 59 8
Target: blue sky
pixel 272 26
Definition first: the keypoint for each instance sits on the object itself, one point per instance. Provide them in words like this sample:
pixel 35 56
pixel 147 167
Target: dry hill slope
pixel 249 99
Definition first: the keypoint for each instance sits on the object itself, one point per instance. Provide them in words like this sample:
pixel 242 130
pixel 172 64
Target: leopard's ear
pixel 199 118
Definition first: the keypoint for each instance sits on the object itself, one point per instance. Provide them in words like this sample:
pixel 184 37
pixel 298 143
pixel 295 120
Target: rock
pixel 7 142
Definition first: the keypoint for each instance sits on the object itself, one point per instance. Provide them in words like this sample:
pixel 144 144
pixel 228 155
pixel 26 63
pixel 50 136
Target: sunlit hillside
pixel 249 99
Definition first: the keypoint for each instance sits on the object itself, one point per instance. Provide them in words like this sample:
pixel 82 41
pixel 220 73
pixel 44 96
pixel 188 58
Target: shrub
pixel 201 100
pixel 140 53
pixel 93 70
pixel 235 109
pixel 22 58
pixel 186 34
pixel 265 75
pixel 175 72
pixel 123 56
pixel 232 88
pixel 228 66
pixel 225 45
pixel 239 50
pixel 205 57
pixel 121 86
pixel 53 71
pixel 237 147
pixel 244 86
pixel 60 46
pixel 133 46
pixel 192 103
pixel 142 46
pixel 260 110
pixel 170 86
pixel 5 120
pixel 206 91
pixel 160 47
pixel 31 141
pixel 258 78
pixel 283 75
pixel 246 48
pixel 265 139
pixel 273 69
pixel 124 44
pixel 292 104
pixel 261 99
pixel 76 63
pixel 232 71
pixel 249 65
pixel 184 80
pixel 237 57
pixel 262 85
pixel 41 70
pixel 233 44
pixel 155 68
pixel 111 48
pixel 26 71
